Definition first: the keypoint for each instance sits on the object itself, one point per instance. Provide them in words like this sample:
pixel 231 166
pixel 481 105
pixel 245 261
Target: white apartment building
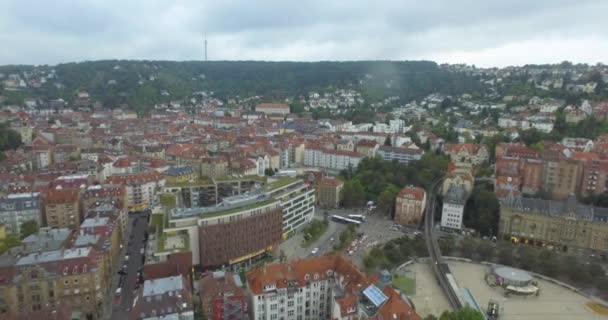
pixel 318 288
pixel 331 159
pixel 453 208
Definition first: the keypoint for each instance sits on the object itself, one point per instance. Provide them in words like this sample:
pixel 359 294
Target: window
pixel 289 303
pixel 273 306
pixel 273 317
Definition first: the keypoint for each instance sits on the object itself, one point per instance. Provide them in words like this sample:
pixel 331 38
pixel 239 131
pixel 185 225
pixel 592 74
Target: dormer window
pixel 307 277
pixel 329 273
pixel 316 276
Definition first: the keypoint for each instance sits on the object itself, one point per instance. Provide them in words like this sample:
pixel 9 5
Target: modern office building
pixel 453 208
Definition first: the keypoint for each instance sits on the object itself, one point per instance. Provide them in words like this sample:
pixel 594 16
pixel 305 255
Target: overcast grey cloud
pixel 481 32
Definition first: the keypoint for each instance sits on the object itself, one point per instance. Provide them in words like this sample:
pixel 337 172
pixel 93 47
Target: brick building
pixel 62 208
pixel 328 192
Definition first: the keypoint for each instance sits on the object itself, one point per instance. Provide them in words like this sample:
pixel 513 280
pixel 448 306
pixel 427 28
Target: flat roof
pixel 56 255
pixel 160 286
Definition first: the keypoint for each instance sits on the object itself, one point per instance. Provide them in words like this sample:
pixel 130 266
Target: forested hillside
pixel 138 84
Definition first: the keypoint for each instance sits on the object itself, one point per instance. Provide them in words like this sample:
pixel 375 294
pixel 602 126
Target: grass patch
pixel 237 209
pixel 313 231
pixel 280 182
pixel 167 200
pixel 405 284
pixel 157 220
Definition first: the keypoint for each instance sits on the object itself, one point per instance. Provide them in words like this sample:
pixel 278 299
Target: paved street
pixel 136 243
pixel 377 230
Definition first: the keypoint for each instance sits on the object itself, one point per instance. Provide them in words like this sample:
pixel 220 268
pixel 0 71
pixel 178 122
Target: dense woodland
pixel 271 80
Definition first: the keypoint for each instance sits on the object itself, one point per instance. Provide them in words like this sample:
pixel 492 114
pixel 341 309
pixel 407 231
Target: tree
pixel 505 255
pixel 269 172
pixel 527 258
pixel 353 194
pixel 386 199
pixel 485 250
pixel 548 263
pixel 446 245
pixel 467 247
pixel 387 141
pixel 466 313
pixel 28 227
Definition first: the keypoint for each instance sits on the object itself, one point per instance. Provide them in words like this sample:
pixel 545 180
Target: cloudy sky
pixel 480 32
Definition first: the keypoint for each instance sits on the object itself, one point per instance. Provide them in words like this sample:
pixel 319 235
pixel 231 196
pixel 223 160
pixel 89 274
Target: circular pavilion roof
pixel 513 274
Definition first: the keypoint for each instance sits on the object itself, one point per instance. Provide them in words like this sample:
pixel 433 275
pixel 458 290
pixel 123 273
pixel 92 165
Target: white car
pixel 315 250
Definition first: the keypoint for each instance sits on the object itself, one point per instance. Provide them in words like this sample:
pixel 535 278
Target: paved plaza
pixel 554 302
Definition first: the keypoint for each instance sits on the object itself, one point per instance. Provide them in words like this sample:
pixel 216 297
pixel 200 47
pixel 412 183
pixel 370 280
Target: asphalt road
pixel 376 228
pixel 136 243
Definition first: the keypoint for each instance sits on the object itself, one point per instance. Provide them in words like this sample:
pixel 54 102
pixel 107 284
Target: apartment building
pixel 409 205
pixel 453 208
pixel 223 297
pixel 69 276
pixel 403 155
pixel 141 188
pixel 561 177
pixel 164 298
pixel 62 208
pixel 335 160
pixel 326 287
pixel 214 167
pixel 18 208
pixel 329 190
pixel 270 108
pixel 594 177
pixel 467 152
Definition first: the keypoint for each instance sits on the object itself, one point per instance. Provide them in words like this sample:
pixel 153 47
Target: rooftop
pixel 52 256
pixel 163 285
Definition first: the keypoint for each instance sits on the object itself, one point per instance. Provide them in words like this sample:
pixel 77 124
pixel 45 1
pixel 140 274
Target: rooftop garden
pixel 280 182
pixel 190 183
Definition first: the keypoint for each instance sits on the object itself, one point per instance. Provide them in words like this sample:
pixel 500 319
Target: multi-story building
pixel 179 174
pixel 105 192
pixel 326 287
pixel 214 167
pixel 270 108
pixel 367 148
pixel 70 276
pixel 222 297
pixel 335 160
pixel 297 199
pixel 561 177
pixel 238 230
pixel 62 208
pixel 164 298
pixel 409 206
pixel 46 239
pixel 453 208
pixel 467 152
pixel 209 192
pixel 329 190
pixel 403 155
pixel 41 156
pixel 566 224
pixel 594 177
pixel 141 188
pixel 18 208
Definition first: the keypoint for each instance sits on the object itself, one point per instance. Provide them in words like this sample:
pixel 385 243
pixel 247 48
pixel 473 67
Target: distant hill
pixel 139 84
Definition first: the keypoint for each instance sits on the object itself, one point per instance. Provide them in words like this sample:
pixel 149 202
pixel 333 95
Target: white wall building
pixel 453 208
pixel 331 159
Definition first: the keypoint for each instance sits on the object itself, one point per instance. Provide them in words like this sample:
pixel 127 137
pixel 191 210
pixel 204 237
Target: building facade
pixel 409 206
pixel 62 208
pixel 327 287
pixel 564 224
pixel 453 208
pixel 403 155
pixel 328 192
pixel 18 208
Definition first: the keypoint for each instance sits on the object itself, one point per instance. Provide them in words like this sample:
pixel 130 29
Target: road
pixel 440 268
pixel 138 227
pixel 377 229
